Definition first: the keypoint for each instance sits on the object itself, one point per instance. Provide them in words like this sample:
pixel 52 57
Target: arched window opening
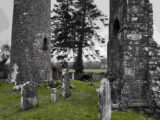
pixel 115 47
pixel 116 28
pixel 45 44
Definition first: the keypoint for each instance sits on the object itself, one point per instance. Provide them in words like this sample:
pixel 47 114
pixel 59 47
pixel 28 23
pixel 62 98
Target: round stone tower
pixel 30 46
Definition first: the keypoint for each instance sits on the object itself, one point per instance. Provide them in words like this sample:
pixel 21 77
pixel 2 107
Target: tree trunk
pixel 79 60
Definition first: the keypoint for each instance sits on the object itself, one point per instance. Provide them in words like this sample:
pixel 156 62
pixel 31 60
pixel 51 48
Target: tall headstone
pixel 104 100
pixel 30 45
pixel 29 95
pixel 66 92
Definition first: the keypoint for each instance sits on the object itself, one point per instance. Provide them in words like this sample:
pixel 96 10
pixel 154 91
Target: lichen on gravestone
pixel 29 95
pixel 66 92
pixel 104 100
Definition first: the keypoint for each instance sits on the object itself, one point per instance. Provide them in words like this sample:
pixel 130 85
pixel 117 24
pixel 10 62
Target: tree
pixel 80 28
pixel 4 56
pixel 62 37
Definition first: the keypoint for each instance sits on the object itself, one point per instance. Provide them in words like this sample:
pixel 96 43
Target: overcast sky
pixel 6 10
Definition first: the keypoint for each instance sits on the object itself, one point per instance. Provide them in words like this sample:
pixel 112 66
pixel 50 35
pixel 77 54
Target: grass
pixel 91 70
pixel 128 116
pixel 82 105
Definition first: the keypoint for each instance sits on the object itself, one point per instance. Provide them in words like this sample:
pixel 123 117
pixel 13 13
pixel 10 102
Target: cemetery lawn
pixel 91 70
pixel 82 105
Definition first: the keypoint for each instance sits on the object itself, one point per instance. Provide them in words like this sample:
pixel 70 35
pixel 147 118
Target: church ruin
pixel 30 55
pixel 133 55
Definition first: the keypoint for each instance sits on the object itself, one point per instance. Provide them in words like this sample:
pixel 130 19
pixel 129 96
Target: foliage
pixel 4 57
pixel 82 105
pixel 4 54
pixel 74 28
pixel 91 70
pixel 62 31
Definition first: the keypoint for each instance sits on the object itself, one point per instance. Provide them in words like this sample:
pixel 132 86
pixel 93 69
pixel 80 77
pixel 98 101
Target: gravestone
pixel 65 83
pixel 73 76
pixel 104 101
pixel 53 95
pixel 29 95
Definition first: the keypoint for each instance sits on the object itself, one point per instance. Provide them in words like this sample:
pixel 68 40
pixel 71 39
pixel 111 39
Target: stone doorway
pixel 115 47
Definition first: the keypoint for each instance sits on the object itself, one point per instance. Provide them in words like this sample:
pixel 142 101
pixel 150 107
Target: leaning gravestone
pixel 65 83
pixel 29 95
pixel 104 94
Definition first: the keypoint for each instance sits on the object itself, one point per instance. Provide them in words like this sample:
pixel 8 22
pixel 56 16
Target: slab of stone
pixel 66 92
pixel 29 95
pixel 104 94
pixel 134 36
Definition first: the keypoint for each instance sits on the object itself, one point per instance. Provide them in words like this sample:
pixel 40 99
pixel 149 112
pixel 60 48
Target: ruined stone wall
pixel 118 14
pixel 134 56
pixel 154 77
pixel 130 30
pixel 138 32
pixel 30 54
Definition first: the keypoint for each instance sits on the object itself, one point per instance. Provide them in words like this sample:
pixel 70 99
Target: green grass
pixel 82 105
pixel 128 116
pixel 91 70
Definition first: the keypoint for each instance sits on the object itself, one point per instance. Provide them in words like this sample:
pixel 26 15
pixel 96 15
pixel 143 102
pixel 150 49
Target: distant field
pixel 91 70
pixel 82 105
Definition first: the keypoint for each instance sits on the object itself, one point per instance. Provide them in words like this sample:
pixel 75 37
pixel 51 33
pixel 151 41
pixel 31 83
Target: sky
pixel 6 11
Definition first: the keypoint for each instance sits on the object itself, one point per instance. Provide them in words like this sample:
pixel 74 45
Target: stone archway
pixel 115 47
pixel 116 27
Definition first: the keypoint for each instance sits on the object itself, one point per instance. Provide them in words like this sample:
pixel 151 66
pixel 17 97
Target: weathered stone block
pixel 66 92
pixel 29 95
pixel 104 93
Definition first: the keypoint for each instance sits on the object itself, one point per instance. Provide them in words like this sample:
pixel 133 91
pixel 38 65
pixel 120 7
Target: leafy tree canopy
pixel 70 21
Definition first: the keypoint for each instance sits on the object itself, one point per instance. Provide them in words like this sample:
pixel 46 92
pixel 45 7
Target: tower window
pixel 116 28
pixel 45 44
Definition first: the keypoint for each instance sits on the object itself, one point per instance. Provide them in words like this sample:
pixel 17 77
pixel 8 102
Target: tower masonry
pixel 133 55
pixel 30 45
